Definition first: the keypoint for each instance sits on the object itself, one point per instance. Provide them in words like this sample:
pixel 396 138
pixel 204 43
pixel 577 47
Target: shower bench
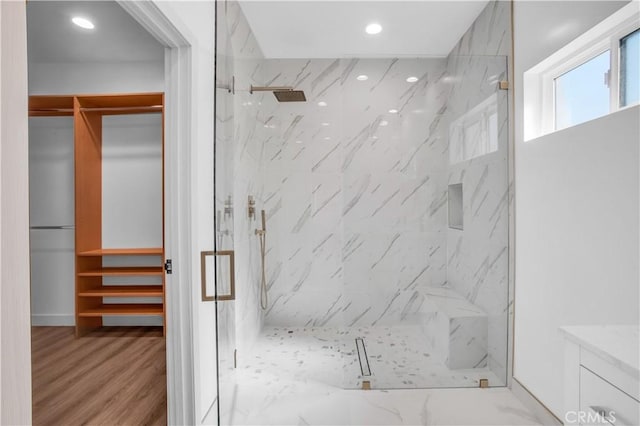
pixel 458 328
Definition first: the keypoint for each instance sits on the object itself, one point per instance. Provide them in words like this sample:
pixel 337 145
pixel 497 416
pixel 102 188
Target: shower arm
pixel 269 89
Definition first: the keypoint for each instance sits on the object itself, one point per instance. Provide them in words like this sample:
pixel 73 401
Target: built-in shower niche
pixel 455 206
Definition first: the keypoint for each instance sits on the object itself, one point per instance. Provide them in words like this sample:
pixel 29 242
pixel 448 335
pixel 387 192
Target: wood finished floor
pixel 114 376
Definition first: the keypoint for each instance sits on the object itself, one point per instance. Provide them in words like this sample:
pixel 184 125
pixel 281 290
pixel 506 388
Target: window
pixel 596 74
pixel 582 93
pixel 475 133
pixel 630 69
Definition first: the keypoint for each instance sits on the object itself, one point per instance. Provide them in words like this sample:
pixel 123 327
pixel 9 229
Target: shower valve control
pixel 252 207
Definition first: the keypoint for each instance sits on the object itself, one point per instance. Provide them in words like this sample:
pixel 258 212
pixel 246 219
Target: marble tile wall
pixel 239 150
pixel 478 255
pixel 355 195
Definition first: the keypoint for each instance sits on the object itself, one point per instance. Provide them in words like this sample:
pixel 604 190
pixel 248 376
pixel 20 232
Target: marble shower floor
pixel 399 358
pixel 298 376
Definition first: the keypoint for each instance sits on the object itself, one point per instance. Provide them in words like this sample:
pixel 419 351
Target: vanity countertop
pixel 618 344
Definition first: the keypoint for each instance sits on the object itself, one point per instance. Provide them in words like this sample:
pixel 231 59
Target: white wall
pixel 78 78
pixel 51 202
pixel 576 211
pixel 15 342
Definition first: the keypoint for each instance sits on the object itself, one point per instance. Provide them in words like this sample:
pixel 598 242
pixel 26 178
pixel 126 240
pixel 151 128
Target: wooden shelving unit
pixel 90 290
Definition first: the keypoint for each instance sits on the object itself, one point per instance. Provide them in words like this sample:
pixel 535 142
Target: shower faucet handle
pixel 228 207
pixel 251 210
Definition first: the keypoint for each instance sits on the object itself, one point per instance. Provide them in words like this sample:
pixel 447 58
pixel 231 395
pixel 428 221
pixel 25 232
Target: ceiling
pixel 117 37
pixel 330 29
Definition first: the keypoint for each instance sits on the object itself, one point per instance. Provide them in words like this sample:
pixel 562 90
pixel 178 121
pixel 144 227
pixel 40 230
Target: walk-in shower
pixel 386 196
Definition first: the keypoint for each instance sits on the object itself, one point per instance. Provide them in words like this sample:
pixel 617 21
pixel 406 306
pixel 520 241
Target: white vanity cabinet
pixel 602 379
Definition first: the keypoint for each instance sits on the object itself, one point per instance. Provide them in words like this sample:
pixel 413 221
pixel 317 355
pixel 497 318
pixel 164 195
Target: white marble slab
pixel 618 344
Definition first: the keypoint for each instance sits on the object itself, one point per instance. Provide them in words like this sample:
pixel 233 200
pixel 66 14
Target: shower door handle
pixel 232 275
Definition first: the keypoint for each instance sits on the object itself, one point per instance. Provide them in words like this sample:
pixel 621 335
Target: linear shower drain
pixel 365 369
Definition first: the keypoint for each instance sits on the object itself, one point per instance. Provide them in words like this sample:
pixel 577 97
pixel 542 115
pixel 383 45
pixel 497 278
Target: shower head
pixel 282 93
pixel 290 95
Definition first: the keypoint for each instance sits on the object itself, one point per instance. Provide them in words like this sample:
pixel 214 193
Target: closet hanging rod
pixel 53 227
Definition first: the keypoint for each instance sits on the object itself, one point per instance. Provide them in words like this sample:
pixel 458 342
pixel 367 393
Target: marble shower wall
pixel 478 255
pixel 239 150
pixel 355 195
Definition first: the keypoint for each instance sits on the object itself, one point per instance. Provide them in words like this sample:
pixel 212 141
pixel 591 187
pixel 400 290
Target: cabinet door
pixel 601 402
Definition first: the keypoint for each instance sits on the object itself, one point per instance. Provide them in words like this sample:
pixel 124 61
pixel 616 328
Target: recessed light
pixel 83 22
pixel 384 123
pixel 373 28
pixel 325 124
pixel 322 103
pixel 298 141
pixel 412 79
pixel 393 111
pixel 327 138
pixel 362 77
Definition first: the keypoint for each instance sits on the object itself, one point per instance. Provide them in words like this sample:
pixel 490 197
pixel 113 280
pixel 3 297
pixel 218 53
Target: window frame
pixel 628 30
pixel 539 81
pixel 549 79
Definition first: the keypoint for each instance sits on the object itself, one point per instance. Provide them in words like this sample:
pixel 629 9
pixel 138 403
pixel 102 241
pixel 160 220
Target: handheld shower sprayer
pixel 262 234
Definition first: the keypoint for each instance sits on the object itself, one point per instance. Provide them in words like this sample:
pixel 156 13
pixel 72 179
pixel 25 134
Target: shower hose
pixel 263 282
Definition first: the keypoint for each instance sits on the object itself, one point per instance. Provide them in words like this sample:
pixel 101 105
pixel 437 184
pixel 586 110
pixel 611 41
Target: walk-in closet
pixel 96 169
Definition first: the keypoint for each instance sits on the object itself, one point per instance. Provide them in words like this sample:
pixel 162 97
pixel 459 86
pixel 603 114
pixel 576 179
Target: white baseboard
pixel 59 320
pixel 542 413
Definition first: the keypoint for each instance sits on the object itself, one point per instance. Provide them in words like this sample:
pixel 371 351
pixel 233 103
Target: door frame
pixel 177 198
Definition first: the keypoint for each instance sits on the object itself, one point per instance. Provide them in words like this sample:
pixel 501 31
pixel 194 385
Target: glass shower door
pixel 216 370
pixel 426 223
pixel 224 219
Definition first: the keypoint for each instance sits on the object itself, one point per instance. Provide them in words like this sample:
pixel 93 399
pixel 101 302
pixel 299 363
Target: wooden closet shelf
pixel 129 271
pixel 124 291
pixel 50 105
pixel 148 251
pixel 122 309
pixel 124 110
pixel 131 100
pixel 53 112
